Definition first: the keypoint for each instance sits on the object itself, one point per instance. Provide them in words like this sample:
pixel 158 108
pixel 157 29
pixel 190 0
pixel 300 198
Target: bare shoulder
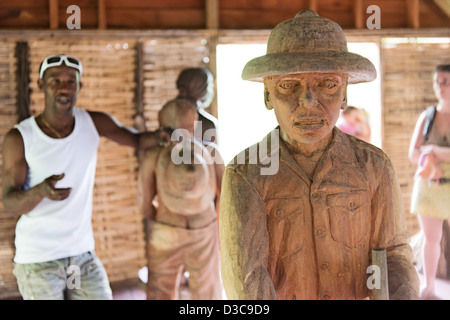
pixel 13 133
pixel 13 141
pixel 104 120
pixel 95 114
pixel 150 155
pixel 14 166
pixel 422 117
pixel 99 118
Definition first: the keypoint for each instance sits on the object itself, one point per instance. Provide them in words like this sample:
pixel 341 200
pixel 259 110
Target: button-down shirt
pixel 284 236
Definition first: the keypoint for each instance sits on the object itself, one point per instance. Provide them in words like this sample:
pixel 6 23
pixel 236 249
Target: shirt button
pixel 324 266
pixel 326 297
pixel 320 233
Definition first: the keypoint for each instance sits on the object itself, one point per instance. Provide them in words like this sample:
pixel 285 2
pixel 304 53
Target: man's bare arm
pixel 18 201
pixel 107 126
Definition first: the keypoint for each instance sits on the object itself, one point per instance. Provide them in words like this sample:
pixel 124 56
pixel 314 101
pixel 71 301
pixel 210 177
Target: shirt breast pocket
pixel 349 217
pixel 285 225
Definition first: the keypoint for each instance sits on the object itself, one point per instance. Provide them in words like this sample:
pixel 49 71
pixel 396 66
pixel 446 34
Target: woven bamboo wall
pixel 163 59
pixel 8 118
pixel 407 91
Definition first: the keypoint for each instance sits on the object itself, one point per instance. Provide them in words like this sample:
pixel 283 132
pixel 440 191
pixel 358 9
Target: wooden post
pixel 139 119
pixel 213 24
pixel 23 80
pixel 379 259
pixel 53 14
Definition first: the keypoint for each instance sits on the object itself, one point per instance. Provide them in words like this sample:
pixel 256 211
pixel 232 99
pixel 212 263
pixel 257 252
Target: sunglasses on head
pixel 57 60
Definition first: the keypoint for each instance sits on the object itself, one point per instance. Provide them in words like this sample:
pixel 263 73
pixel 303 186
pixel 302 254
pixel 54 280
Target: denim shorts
pixel 80 277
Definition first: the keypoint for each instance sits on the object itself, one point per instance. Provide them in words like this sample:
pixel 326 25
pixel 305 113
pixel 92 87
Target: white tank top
pixel 58 229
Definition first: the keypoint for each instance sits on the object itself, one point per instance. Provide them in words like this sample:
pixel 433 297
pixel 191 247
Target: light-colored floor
pixel 129 293
pixel 138 293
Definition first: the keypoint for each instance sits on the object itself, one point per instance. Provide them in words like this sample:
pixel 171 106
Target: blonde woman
pixel 430 149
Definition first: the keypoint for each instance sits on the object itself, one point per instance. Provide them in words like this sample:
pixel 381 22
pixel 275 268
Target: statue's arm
pixel 390 232
pixel 244 240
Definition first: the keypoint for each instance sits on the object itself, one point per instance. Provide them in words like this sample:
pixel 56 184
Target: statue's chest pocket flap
pixel 349 215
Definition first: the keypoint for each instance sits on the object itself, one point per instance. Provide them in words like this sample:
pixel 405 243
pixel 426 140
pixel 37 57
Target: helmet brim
pixel 358 68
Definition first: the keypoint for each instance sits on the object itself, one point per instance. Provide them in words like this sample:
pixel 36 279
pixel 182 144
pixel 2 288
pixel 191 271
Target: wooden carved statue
pixel 183 180
pixel 197 84
pixel 307 229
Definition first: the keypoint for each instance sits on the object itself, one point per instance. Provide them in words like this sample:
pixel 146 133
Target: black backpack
pixel 430 114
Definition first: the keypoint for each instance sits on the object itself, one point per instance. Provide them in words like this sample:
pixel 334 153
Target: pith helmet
pixel 309 43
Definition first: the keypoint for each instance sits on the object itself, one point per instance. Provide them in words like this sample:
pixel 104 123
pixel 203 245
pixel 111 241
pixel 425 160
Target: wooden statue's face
pixel 307 105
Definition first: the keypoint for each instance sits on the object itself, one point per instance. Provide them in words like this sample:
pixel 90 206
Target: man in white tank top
pixel 48 177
